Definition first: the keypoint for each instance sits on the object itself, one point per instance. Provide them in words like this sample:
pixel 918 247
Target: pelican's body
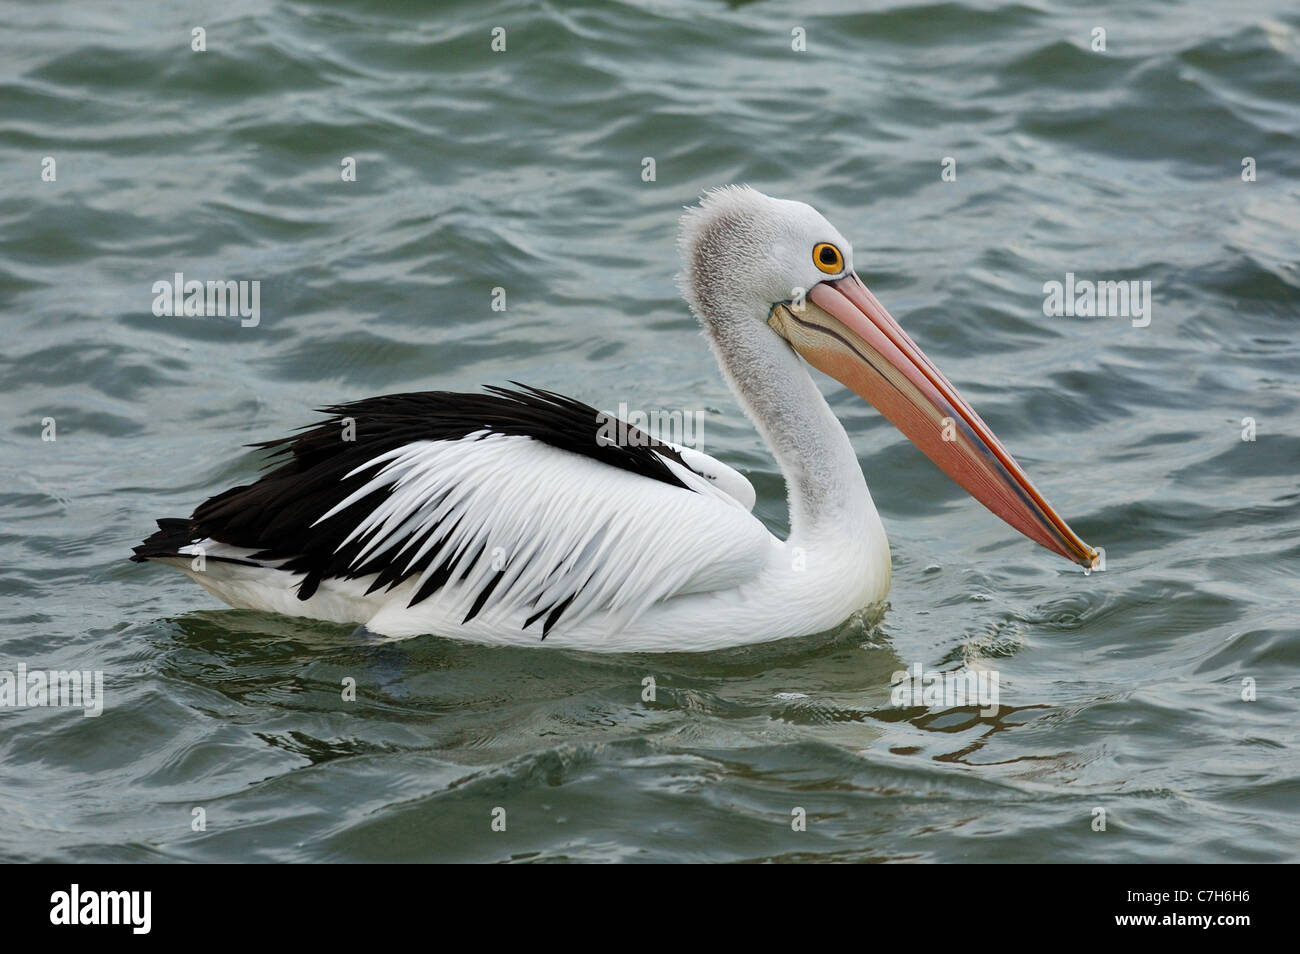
pixel 510 517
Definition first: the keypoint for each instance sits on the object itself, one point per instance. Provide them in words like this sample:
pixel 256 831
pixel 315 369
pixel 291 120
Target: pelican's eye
pixel 827 258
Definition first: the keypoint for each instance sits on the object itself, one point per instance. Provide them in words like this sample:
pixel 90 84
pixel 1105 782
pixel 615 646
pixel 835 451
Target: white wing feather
pixel 558 527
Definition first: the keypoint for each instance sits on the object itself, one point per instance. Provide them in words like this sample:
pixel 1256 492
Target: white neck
pixel 828 495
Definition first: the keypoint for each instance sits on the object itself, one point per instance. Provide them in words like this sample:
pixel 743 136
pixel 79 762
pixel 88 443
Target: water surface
pixel 522 170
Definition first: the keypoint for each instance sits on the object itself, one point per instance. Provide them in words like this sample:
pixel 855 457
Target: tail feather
pixel 172 534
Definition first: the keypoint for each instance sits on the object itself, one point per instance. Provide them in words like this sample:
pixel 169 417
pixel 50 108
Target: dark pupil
pixel 828 256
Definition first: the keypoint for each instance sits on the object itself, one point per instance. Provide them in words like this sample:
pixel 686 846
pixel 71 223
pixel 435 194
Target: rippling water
pixel 523 169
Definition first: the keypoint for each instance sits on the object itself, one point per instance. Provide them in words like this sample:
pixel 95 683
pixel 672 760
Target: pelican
pixel 509 517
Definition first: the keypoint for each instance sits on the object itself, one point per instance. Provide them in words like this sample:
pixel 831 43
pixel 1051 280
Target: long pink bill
pixel 845 332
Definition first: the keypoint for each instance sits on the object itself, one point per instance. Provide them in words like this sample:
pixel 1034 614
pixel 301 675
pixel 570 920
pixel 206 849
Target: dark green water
pixel 522 169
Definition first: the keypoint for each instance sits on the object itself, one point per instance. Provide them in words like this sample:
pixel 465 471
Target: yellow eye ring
pixel 827 258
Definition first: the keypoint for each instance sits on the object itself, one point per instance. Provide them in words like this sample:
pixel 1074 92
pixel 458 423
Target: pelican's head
pixel 750 259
